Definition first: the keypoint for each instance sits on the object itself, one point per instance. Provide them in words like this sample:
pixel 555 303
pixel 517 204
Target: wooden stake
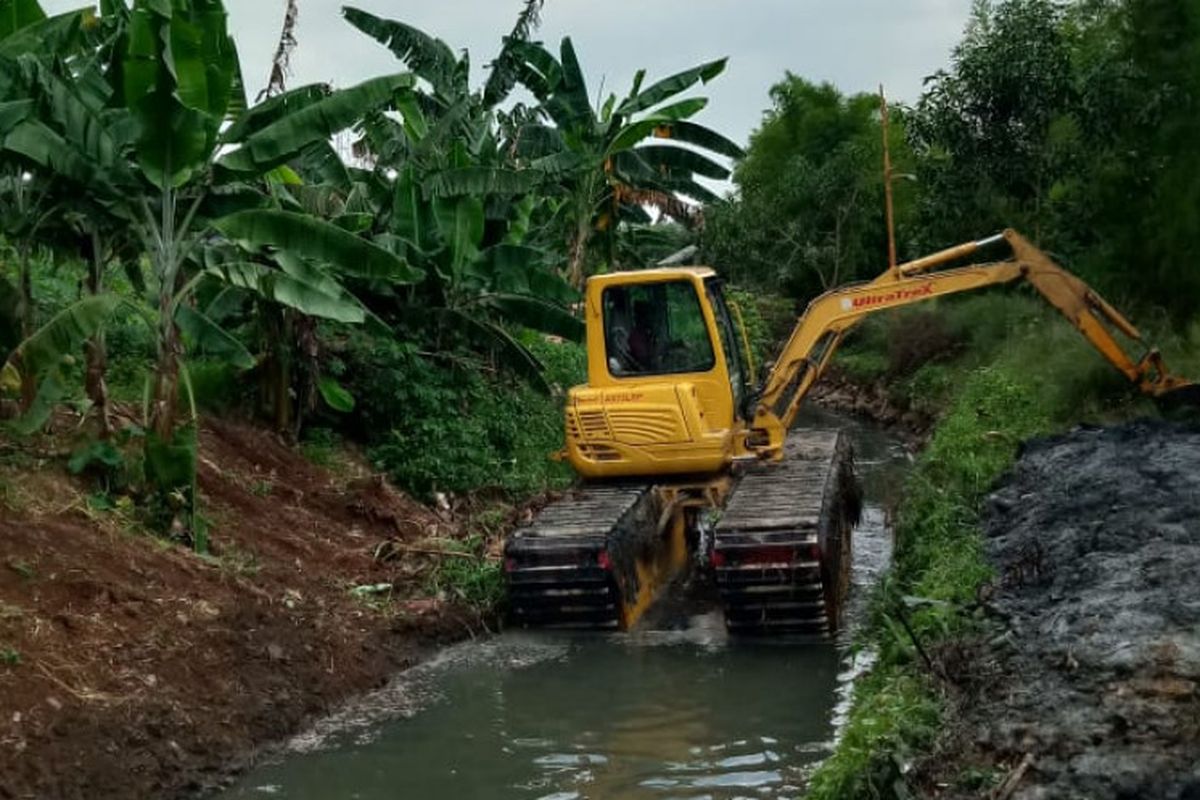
pixel 887 182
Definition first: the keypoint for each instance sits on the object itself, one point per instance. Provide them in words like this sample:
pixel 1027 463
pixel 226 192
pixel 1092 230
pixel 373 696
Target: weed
pixel 443 427
pixel 978 779
pixel 320 446
pixel 467 575
pixel 23 568
pixel 262 488
pixel 9 657
pixel 239 563
pixel 375 596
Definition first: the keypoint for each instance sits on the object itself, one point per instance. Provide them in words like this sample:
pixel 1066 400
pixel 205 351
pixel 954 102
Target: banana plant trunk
pixel 96 352
pixel 170 447
pixel 308 344
pixel 577 253
pixel 28 321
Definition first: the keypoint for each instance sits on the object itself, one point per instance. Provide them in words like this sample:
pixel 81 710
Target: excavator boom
pixel 831 316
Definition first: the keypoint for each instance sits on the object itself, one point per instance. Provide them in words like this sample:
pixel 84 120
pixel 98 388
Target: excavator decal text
pixel 886 298
pixel 623 397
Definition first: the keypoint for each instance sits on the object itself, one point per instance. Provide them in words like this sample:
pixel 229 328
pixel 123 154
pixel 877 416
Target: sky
pixel 855 44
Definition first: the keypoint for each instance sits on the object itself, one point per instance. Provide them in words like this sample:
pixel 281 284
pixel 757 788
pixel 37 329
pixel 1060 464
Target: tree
pixel 199 164
pixel 607 163
pixel 995 132
pixel 808 213
pixel 448 197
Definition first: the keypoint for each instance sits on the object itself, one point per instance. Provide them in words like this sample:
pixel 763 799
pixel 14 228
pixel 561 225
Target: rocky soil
pixel 1093 688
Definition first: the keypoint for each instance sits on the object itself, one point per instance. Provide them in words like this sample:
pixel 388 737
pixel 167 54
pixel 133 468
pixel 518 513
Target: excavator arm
pixel 831 316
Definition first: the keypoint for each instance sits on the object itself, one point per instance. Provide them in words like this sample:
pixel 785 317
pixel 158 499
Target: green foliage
pixel 217 385
pixel 441 425
pixel 808 214
pixel 10 657
pixel 1073 122
pixel 320 446
pixel 467 575
pixel 758 333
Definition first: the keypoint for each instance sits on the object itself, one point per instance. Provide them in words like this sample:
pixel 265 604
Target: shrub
pixel 447 425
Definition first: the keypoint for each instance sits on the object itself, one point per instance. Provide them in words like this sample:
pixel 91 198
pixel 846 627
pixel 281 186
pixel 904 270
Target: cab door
pixel 739 373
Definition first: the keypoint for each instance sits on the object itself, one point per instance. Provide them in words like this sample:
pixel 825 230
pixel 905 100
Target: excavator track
pixel 781 550
pixel 574 565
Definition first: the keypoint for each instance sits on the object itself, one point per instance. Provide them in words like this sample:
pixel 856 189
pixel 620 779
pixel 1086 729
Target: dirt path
pixel 133 669
pixel 1094 686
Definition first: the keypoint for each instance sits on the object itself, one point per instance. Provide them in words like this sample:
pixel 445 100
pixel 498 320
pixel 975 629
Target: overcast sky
pixel 856 44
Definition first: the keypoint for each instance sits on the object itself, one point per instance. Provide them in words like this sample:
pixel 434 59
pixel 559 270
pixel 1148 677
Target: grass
pixel 1023 373
pixel 467 575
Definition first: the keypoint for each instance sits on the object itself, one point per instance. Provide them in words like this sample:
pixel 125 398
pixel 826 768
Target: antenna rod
pixel 887 182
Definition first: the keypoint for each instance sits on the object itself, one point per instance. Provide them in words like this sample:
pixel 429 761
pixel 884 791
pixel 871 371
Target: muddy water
pixel 681 713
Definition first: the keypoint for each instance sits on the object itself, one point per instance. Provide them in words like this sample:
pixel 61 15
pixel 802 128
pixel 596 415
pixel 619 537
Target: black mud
pixel 1096 539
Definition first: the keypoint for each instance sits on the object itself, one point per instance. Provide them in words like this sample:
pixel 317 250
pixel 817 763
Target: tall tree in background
pixel 808 213
pixel 1077 123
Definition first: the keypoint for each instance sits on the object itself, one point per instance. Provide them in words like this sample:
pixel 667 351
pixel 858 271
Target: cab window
pixel 655 329
pixel 729 343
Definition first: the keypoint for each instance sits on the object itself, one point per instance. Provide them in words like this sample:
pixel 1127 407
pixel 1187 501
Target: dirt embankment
pixel 133 669
pixel 1094 690
pixel 873 401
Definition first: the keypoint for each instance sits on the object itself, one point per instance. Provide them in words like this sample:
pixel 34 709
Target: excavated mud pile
pixel 1096 538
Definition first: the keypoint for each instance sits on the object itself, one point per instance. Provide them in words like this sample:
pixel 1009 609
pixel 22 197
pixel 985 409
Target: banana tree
pixel 29 194
pixel 200 161
pixel 449 198
pixel 609 162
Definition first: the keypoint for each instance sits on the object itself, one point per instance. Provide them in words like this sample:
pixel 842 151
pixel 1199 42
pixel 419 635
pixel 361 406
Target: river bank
pixel 1088 686
pixel 133 668
pixel 940 633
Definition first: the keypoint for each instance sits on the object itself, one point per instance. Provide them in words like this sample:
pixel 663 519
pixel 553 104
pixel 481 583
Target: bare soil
pixel 132 668
pixel 1092 687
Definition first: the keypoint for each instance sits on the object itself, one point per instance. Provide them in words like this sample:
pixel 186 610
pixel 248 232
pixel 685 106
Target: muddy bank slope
pixel 1094 687
pixel 131 668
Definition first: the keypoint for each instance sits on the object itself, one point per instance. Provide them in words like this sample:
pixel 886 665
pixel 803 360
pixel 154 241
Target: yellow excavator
pixel 682 456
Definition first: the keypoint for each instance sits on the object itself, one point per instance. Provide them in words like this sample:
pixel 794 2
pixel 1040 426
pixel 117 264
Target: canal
pixel 655 714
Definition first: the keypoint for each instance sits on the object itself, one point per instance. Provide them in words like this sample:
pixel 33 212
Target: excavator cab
pixel 668 378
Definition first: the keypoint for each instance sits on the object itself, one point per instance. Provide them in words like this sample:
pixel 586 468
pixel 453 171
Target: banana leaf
pixel 64 335
pixel 18 14
pixel 669 87
pixel 479 182
pixel 700 136
pixel 206 336
pixel 536 314
pixel 430 58
pixel 461 223
pixel 512 354
pixel 59 34
pixel 306 290
pixel 272 110
pixel 285 138
pixel 335 395
pixel 668 160
pixel 178 71
pixel 304 236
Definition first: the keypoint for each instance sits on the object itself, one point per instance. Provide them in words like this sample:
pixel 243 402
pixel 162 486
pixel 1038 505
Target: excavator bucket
pixel 1181 398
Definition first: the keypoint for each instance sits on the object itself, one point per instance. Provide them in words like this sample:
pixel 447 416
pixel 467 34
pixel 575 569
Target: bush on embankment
pixel 1024 372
